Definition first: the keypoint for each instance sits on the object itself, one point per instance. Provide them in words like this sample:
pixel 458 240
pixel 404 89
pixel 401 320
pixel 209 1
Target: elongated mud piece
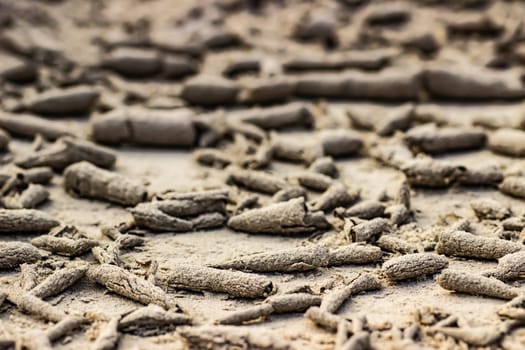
pixel 367 209
pixel 294 114
pixel 340 142
pixel 294 302
pixel 268 90
pixel 464 244
pixel 74 100
pixel 337 297
pixel 393 153
pixel 478 336
pixel 514 308
pixel 468 283
pixel 384 121
pixel 325 166
pixel 87 180
pixel 30 198
pixel 59 281
pixel 426 172
pixel 109 254
pixel 287 218
pixel 482 176
pixel 66 151
pixel 210 90
pixel 513 186
pixel 314 181
pixel 108 337
pixel 295 148
pixel 212 157
pixel 127 284
pixel 63 245
pixel 29 126
pixel 152 320
pixel 510 267
pixel 514 223
pixel 337 195
pixel 148 215
pixel 389 84
pixel 490 209
pixel 208 220
pixel 288 193
pixel 257 181
pixel 430 139
pixel 33 305
pixel 190 204
pixel 395 245
pixel 288 260
pixel 369 230
pixel 323 318
pixel 354 254
pixel 199 278
pixel 133 62
pixel 25 220
pixel 414 265
pixel 232 337
pixel 127 241
pixel 510 142
pixel 28 276
pixel 465 82
pixel 13 254
pixel 64 327
pixel 37 175
pixel 249 314
pixel 398 213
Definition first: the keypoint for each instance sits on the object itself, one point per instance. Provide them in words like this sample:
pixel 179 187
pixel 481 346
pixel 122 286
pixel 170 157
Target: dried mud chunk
pixel 108 337
pixel 325 166
pixel 111 127
pixel 510 142
pixel 193 203
pixel 66 151
pixel 323 318
pixel 337 297
pixel 340 143
pixel 13 254
pixel 257 180
pixel 17 70
pixel 295 302
pixel 59 281
pixel 269 90
pixel 231 337
pixel 249 314
pixel 395 245
pixel 392 153
pixel 478 336
pixel 30 198
pixel 28 276
pixel 151 320
pixel 127 284
pixel 510 267
pixel 464 244
pixel 63 245
pixel 79 99
pixel 295 148
pixel 465 82
pixel 337 195
pixel 514 224
pixel 399 214
pixel 63 327
pixel 235 283
pixel 513 186
pixel 482 176
pixel 209 90
pixel 369 230
pixel 27 125
pixel 4 140
pixel 148 215
pixel 33 305
pixel 212 157
pixel 133 62
pixel 320 85
pixel 414 265
pixel 288 260
pixel 468 283
pixel 294 114
pixel 430 139
pixel 208 220
pixel 87 180
pixel 393 14
pixel 426 172
pixel 389 84
pixel 384 120
pixel 314 181
pixel 490 209
pixel 288 218
pixel 176 67
pixel 367 210
pixel 25 220
pixel 473 23
pixel 354 254
pixel 317 25
pixel 286 194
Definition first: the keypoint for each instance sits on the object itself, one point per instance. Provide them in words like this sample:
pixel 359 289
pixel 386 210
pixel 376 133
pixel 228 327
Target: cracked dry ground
pixel 262 174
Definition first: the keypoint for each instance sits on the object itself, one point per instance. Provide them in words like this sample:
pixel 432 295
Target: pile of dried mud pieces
pixel 270 175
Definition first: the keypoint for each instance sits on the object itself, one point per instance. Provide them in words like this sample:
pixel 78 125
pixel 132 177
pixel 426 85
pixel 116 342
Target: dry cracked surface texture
pixel 262 174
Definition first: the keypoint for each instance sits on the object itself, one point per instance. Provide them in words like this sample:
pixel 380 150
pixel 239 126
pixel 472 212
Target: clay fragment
pixel 108 337
pixel 31 304
pixel 337 297
pixel 288 260
pixel 257 181
pixel 323 318
pixel 74 100
pixel 513 186
pixel 507 141
pixel 127 284
pixel 25 220
pixel 288 218
pixel 314 181
pixel 383 120
pixel 133 62
pixel 325 166
pixel 414 265
pixel 209 90
pixel 294 302
pixel 59 281
pixel 64 327
pixel 489 209
pixel 430 139
pixel 340 142
pixel 337 195
pixel 29 126
pixel 482 176
pixel 288 193
pixel 478 336
pixel 248 314
pixel 294 114
pixel 269 90
pixel 87 180
pixel 148 215
pixel 294 148
pixel 464 244
pixel 514 224
pixel 212 157
pixel 66 151
pixel 468 283
pixel 199 278
pixel 152 320
pixel 63 245
pixel 426 172
pixel 399 214
pixel 354 254
pixel 366 210
pixel 392 153
pixel 510 267
pixel 369 230
pixel 30 198
pixel 28 276
pixel 395 245
pixel 13 254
